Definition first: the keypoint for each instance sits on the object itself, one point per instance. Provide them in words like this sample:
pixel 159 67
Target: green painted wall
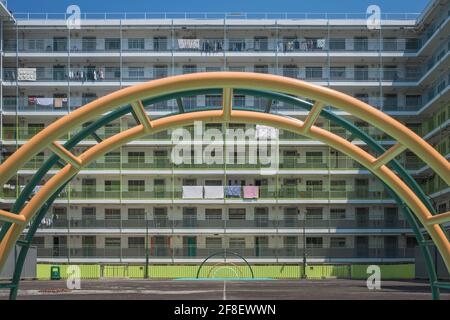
pixel 402 271
pixel 395 271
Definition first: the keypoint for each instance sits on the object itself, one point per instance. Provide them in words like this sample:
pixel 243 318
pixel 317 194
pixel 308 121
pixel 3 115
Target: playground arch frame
pixel 405 191
pixel 225 253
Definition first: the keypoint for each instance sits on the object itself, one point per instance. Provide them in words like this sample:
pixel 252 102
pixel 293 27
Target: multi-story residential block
pixel 320 205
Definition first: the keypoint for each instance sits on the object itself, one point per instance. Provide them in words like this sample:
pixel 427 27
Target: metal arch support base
pixel 276 96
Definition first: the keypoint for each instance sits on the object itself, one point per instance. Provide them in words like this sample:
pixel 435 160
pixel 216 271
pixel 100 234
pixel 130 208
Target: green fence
pixel 388 271
pixel 279 271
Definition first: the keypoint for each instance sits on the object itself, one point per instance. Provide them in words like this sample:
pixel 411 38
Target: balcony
pixel 175 192
pixel 194 252
pixel 194 223
pixel 210 45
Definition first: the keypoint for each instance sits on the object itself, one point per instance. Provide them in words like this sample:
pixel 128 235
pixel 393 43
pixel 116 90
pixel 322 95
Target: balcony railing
pixel 210 45
pixel 194 223
pixel 98 74
pixel 168 252
pixel 175 192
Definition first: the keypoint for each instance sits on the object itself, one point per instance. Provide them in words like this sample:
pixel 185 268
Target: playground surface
pixel 327 289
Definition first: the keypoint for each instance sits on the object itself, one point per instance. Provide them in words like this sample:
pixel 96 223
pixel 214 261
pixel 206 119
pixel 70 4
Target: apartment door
pixel 289 159
pixel 362 246
pixel 59 44
pixel 160 247
pixel 361 44
pixel 59 246
pixel 89 44
pixel 88 216
pixel 160 43
pixel 361 73
pixel 190 246
pixel 262 217
pixel 160 188
pixel 59 73
pixel 362 188
pixel 161 159
pixel 189 217
pixel 261 245
pixel 362 217
pixel 391 217
pixel 263 187
pixel 160 217
pixel 88 244
pixel 261 44
pixel 290 246
pixel 160 72
pixel 390 246
pixel 88 187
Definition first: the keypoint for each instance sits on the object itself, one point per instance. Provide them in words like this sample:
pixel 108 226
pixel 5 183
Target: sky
pixel 313 6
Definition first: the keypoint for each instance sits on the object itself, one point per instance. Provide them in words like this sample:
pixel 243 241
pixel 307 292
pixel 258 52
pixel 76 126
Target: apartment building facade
pixel 320 206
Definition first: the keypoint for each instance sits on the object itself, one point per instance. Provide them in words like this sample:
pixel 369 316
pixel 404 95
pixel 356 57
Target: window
pixel 213 214
pixel 112 242
pixel 337 73
pixel 112 157
pixel 112 44
pixel 390 100
pixel 136 44
pixel 160 43
pixel 313 72
pixel 261 68
pixel 136 214
pixel 338 242
pixel 314 185
pixel 237 243
pixel 413 100
pixel 36 44
pixel 236 214
pixel 112 214
pixel 112 185
pixel 136 73
pixel 136 157
pixel 213 243
pixel 136 242
pixel 314 242
pixel 337 214
pixel 136 185
pixel 337 44
pixel 412 44
pixel 337 185
pixel 314 214
pixel 411 242
pixel 213 100
pixel 314 157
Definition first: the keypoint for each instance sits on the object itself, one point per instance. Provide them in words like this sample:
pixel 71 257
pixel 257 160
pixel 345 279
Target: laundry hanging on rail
pixel 44 101
pixel 251 192
pixel 189 44
pixel 233 191
pixel 192 192
pixel 214 192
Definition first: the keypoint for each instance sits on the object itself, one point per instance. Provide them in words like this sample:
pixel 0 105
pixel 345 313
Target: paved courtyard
pixel 224 290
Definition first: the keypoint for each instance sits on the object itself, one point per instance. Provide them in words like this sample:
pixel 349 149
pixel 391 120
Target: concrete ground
pixel 329 289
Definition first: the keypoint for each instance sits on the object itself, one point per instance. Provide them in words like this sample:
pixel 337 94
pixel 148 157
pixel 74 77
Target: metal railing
pixel 211 45
pixel 214 15
pixel 183 252
pixel 194 223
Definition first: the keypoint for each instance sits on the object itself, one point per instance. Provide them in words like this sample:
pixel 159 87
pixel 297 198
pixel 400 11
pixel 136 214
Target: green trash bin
pixel 55 273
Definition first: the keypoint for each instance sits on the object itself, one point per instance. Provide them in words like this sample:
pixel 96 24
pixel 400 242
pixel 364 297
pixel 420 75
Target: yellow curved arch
pixel 228 80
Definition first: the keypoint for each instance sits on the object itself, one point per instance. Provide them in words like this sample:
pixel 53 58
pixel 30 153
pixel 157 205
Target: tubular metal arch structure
pixel 30 209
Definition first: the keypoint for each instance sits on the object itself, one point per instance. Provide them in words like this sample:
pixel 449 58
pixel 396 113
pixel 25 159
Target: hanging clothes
pixel 58 102
pixel 192 192
pixel 233 191
pixel 214 192
pixel 44 101
pixel 251 192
